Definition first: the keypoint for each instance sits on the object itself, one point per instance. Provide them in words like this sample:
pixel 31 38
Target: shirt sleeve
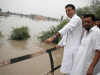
pixel 69 26
pixel 61 42
pixel 97 45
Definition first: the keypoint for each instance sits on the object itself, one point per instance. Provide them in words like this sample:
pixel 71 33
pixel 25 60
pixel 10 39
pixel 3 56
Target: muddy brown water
pixel 12 49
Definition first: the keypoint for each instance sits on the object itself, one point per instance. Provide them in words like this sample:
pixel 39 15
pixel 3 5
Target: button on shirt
pixel 72 35
pixel 86 52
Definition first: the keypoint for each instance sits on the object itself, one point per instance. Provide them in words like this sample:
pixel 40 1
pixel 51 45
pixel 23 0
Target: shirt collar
pixel 73 16
pixel 93 29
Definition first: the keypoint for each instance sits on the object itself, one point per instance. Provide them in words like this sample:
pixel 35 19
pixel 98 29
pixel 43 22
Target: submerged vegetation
pixel 1 35
pixel 20 33
pixel 54 29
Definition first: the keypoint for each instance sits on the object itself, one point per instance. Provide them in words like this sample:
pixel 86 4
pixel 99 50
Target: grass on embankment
pixel 53 30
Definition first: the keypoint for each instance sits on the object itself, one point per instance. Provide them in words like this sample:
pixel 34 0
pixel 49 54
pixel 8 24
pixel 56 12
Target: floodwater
pixel 11 49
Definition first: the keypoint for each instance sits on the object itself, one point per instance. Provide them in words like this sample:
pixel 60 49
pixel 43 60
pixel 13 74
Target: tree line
pixel 93 8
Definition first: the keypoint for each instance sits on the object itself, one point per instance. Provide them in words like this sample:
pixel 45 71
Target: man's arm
pixel 49 40
pixel 94 62
pixel 70 26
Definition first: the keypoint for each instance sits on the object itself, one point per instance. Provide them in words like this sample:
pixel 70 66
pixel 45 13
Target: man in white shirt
pixel 98 74
pixel 98 22
pixel 89 51
pixel 83 29
pixel 72 33
pixel 97 67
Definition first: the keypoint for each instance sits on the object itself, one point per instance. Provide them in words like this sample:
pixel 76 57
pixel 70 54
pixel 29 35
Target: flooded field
pixel 12 49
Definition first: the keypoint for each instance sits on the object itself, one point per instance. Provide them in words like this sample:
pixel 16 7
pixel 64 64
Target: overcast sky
pixel 49 8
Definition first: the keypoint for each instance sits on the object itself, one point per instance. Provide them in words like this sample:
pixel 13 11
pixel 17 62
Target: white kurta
pixel 97 68
pixel 86 52
pixel 98 74
pixel 72 35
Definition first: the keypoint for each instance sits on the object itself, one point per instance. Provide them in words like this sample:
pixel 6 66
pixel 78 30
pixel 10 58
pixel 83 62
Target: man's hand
pixel 57 46
pixel 89 72
pixel 94 62
pixel 49 40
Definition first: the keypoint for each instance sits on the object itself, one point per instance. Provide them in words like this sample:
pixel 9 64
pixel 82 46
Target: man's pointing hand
pixel 49 40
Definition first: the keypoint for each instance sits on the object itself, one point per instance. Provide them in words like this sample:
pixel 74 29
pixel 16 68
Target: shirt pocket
pixel 86 41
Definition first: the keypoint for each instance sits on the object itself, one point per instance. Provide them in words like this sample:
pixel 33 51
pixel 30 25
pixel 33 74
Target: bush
pixel 20 33
pixel 1 35
pixel 53 30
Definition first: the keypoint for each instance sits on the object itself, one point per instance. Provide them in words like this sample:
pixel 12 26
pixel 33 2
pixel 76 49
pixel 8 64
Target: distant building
pixel 39 17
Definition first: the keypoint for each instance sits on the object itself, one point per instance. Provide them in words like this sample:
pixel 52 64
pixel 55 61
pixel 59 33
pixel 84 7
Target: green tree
pixel 79 11
pixel 95 5
pixel 92 9
pixel 97 14
pixel 87 10
pixel 84 10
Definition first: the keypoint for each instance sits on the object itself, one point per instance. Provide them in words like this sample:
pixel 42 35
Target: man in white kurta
pixel 87 52
pixel 72 33
pixel 97 67
pixel 72 42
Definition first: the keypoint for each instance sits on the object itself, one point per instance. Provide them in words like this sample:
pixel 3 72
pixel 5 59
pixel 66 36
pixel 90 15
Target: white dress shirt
pixel 98 74
pixel 71 40
pixel 97 67
pixel 86 52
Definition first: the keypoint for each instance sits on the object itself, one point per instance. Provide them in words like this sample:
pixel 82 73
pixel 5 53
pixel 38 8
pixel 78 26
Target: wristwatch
pixel 54 36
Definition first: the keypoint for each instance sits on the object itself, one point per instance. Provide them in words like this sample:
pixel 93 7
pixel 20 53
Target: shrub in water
pixel 1 35
pixel 53 30
pixel 20 33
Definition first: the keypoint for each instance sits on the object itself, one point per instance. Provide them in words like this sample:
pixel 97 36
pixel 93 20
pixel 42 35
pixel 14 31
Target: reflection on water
pixel 1 45
pixel 12 49
pixel 20 45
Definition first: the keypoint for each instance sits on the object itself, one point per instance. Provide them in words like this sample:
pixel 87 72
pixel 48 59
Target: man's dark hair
pixel 90 15
pixel 97 19
pixel 83 15
pixel 70 5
